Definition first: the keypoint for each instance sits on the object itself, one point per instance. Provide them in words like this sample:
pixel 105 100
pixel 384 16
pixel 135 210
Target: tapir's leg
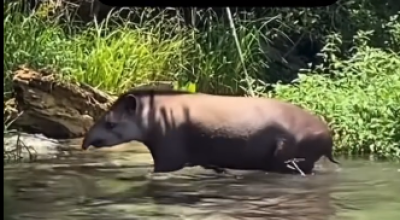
pixel 306 167
pixel 311 148
pixel 220 170
pixel 169 154
pixel 285 155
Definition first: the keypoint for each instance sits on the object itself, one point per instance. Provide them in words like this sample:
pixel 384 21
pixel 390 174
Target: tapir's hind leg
pixel 284 156
pixel 306 167
pixel 311 149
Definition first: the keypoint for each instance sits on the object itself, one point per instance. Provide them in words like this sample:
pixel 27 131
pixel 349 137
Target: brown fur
pixel 227 132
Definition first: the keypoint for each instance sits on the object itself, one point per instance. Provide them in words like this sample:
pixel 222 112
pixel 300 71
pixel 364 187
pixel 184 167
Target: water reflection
pixel 79 187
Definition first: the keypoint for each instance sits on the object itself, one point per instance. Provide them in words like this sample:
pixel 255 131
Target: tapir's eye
pixel 110 124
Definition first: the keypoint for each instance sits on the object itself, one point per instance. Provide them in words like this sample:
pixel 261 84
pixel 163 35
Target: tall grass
pixel 115 57
pixel 111 59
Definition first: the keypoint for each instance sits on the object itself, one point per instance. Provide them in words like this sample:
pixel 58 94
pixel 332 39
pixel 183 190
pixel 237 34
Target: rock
pixel 30 146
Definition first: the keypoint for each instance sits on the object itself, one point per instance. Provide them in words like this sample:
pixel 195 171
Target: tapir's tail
pixel 330 157
pixel 328 154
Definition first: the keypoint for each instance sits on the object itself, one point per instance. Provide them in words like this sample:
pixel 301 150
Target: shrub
pixel 361 102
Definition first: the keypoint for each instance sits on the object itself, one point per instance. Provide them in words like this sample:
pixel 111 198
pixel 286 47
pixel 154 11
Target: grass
pixel 352 87
pixel 123 56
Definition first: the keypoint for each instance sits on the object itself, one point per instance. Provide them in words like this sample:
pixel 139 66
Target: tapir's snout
pixel 86 143
pixel 93 139
pixel 85 146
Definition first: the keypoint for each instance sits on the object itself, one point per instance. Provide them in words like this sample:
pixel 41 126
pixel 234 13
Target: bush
pixel 361 102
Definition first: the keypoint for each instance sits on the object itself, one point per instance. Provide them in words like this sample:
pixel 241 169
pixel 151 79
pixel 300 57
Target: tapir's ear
pixel 131 103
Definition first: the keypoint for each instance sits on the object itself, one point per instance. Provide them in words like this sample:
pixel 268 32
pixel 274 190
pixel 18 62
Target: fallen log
pixel 44 103
pixel 54 107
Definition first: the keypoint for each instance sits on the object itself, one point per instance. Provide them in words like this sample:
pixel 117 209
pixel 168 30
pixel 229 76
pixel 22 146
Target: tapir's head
pixel 122 123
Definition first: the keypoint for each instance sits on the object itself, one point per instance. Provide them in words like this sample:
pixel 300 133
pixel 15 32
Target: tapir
pixel 216 132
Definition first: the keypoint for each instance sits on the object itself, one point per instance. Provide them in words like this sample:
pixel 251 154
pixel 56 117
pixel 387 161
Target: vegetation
pixel 354 82
pixel 361 102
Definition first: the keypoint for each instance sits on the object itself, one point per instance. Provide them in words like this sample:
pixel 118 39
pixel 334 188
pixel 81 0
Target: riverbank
pixel 351 86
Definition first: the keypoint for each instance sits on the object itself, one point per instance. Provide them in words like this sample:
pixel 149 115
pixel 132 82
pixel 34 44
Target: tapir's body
pixel 183 129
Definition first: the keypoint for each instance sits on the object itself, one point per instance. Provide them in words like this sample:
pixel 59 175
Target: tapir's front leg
pixel 168 154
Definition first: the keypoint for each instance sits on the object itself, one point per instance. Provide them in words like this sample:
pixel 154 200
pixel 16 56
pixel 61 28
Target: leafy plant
pixel 190 87
pixel 361 102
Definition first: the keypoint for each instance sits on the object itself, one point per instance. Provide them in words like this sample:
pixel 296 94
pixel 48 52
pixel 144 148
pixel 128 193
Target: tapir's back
pixel 230 115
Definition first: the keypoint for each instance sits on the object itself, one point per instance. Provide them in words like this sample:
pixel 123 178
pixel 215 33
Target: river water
pixel 117 186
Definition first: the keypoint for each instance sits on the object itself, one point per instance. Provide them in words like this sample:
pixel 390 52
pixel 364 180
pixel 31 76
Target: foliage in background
pixel 112 60
pixel 352 83
pixel 190 87
pixel 361 103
